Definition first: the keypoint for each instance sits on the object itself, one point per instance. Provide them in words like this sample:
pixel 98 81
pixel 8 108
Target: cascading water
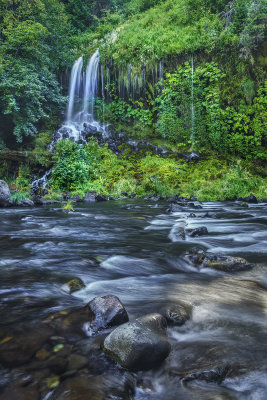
pixel 90 87
pixel 83 89
pixel 75 85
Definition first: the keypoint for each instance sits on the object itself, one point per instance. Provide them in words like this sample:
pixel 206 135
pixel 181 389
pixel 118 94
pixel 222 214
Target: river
pixel 131 249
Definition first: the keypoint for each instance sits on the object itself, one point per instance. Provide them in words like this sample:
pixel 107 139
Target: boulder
pixel 219 262
pixel 74 285
pixel 105 312
pixel 227 263
pixel 141 344
pixel 5 195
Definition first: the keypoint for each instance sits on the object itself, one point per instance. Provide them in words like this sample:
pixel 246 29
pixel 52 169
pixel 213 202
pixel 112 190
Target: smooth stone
pixel 5 195
pixel 139 345
pixel 106 312
pixel 74 285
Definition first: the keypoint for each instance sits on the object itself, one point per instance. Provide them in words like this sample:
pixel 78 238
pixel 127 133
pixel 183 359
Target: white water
pixel 90 87
pixel 75 84
pixel 83 89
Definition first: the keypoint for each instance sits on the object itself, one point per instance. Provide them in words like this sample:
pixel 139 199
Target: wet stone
pixel 74 285
pixel 219 262
pixel 104 313
pixel 141 344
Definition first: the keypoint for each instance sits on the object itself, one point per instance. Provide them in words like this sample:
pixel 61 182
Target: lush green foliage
pixel 72 166
pixel 80 169
pixel 191 110
pixel 32 49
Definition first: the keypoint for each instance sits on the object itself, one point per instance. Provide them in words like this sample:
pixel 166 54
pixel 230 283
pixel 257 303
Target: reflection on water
pixel 135 251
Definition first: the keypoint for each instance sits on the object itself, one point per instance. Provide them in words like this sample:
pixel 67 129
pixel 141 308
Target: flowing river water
pixel 131 249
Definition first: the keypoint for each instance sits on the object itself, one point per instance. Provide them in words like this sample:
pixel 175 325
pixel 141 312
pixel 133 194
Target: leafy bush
pixel 72 166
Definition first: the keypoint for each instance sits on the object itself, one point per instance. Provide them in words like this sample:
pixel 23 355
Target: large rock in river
pixel 5 195
pixel 141 344
pixel 106 312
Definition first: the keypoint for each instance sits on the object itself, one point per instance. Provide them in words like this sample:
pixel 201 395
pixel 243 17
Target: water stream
pixel 131 249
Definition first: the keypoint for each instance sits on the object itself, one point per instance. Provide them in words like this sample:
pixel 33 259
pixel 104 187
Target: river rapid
pixel 133 249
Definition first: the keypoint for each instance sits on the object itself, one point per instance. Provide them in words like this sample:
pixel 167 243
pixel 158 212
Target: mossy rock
pixel 74 285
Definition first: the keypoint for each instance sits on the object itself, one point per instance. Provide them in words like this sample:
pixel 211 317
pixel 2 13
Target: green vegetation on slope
pixel 189 72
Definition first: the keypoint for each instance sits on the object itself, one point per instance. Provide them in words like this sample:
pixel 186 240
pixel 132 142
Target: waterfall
pixel 90 89
pixel 83 89
pixel 75 82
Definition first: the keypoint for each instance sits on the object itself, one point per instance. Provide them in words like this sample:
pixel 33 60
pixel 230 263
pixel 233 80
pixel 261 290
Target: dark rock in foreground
pixel 106 312
pixel 5 195
pixel 141 344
